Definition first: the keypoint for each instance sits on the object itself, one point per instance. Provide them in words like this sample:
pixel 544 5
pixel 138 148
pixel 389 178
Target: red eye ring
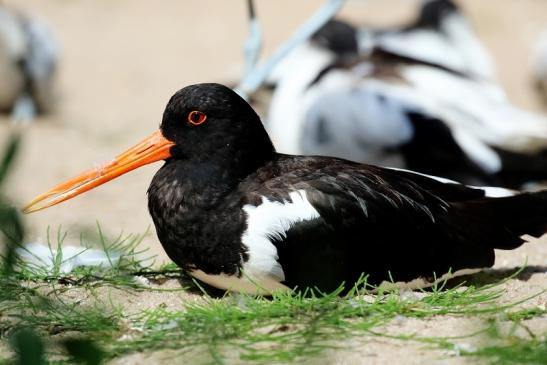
pixel 196 117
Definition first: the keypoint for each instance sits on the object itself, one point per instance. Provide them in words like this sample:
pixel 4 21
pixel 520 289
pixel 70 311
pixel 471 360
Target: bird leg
pixel 253 44
pixel 256 77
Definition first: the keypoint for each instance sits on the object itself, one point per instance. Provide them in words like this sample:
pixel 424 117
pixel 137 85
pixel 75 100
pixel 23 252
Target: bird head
pixel 202 123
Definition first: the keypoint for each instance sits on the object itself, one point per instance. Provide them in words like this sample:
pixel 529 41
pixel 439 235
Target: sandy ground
pixel 123 59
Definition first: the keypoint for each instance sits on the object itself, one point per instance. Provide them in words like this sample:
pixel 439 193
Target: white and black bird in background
pixel 440 34
pixel 29 55
pixel 394 109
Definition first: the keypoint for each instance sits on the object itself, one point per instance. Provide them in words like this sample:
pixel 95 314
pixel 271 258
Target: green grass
pixel 516 351
pixel 507 347
pixel 48 316
pixel 285 328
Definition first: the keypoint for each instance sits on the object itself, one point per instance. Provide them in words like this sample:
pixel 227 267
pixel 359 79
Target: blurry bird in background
pixel 440 34
pixel 29 54
pixel 384 105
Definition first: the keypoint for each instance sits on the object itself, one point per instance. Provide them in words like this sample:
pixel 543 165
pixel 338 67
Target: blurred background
pixel 121 60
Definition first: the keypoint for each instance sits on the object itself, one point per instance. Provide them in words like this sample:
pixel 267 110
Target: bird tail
pixel 504 220
pixel 521 168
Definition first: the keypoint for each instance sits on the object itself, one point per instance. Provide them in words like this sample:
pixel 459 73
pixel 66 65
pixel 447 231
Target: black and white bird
pixel 29 55
pixel 234 213
pixel 440 34
pixel 391 109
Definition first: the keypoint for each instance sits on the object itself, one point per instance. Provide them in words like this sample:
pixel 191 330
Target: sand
pixel 123 59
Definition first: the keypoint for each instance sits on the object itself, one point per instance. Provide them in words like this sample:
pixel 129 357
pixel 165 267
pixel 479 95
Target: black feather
pixel 386 223
pixel 433 150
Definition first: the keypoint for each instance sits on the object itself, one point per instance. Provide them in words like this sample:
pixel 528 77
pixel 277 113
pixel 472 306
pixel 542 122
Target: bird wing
pixel 477 107
pixel 385 123
pixel 356 122
pixel 378 220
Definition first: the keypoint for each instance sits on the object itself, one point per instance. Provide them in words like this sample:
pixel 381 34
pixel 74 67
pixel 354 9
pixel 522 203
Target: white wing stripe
pixel 272 220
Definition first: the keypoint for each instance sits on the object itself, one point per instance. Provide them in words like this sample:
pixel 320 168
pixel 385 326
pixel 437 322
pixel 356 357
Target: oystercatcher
pixel 235 214
pixel 29 54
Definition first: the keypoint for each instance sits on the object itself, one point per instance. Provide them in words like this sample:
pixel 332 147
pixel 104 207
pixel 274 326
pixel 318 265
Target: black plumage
pixel 389 224
pixel 234 213
pixel 338 36
pixel 434 151
pixel 432 13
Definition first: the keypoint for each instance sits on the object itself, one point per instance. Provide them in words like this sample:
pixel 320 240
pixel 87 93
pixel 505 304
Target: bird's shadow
pixel 494 276
pixel 193 286
pixel 186 282
pixel 484 278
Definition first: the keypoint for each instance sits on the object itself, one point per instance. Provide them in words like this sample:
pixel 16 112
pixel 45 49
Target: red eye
pixel 196 117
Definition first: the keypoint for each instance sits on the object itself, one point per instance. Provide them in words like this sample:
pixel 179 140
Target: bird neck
pixel 179 182
pixel 203 182
pixel 187 204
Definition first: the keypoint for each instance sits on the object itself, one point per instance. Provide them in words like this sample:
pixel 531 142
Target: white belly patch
pixel 245 284
pixel 272 219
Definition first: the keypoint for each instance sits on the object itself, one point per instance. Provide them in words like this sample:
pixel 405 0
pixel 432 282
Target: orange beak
pixel 153 148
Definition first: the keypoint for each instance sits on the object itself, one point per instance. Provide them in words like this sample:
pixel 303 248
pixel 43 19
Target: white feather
pixel 12 36
pixel 477 107
pixel 262 273
pixel 455 46
pixel 250 284
pixel 285 113
pixel 490 191
pixel 269 220
pixel 359 123
pixel 424 45
pixel 495 192
pixel 485 157
pixel 476 58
